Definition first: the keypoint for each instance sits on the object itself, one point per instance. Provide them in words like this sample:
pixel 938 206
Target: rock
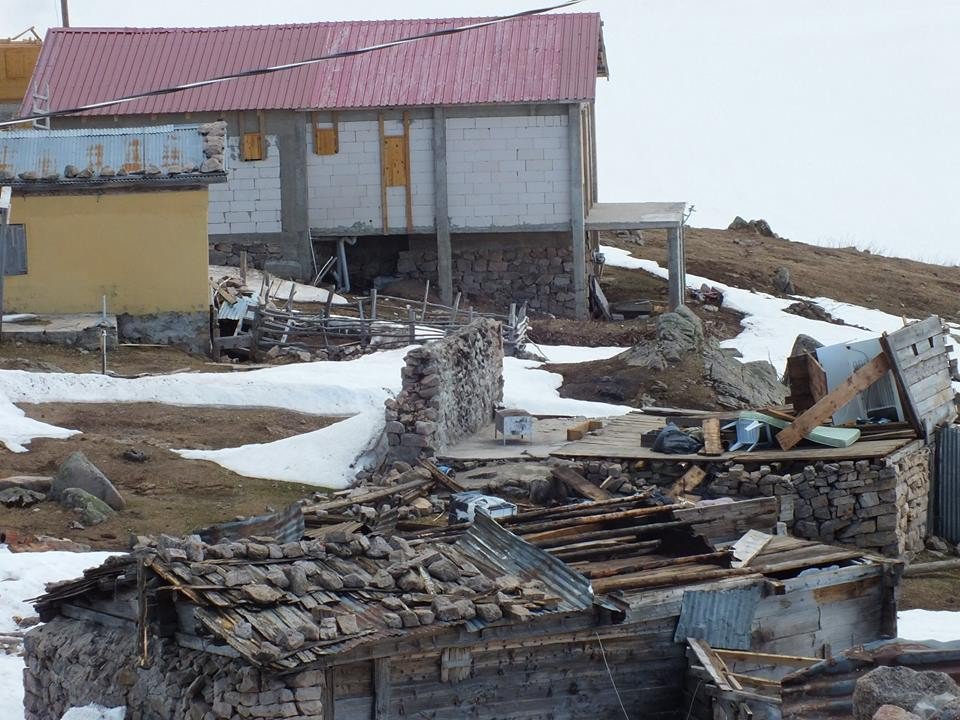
pixel 444 570
pixel 444 609
pixel 329 580
pixel 950 711
pixel 107 171
pixel 379 548
pixel 261 594
pixel 212 164
pixel 898 686
pixel 289 639
pixel 938 544
pixel 87 172
pixel 78 472
pixel 347 624
pixel 20 497
pixel 71 171
pixel 134 455
pixel 243 630
pixel 782 281
pixel 149 171
pixel 752 384
pixel 892 712
pixel 217 128
pixel 92 510
pixel 738 224
pixel 392 620
pixel 28 176
pixel 489 612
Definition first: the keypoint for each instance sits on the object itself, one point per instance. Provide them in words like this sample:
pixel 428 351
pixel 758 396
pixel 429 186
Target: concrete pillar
pixel 677 282
pixel 440 211
pixel 577 212
pixel 291 131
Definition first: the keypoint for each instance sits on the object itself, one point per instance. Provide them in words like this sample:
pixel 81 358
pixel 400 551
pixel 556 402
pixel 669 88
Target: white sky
pixel 836 121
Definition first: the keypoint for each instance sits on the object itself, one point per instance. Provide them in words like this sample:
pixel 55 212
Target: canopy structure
pixel 667 216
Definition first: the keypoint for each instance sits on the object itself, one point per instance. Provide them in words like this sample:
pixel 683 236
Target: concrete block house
pixel 469 159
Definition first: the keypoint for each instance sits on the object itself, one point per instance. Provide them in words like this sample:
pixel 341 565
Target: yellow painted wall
pixel 146 251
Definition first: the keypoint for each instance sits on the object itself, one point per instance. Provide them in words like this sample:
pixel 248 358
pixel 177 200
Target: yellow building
pixel 84 227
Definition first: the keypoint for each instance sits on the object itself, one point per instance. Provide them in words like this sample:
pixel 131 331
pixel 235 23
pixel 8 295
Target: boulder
pixel 78 472
pixel 782 281
pixel 898 686
pixel 752 384
pixel 91 509
pixel 892 712
pixel 20 497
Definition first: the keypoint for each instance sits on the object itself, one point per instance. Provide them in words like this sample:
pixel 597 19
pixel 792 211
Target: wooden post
pixel 373 304
pixel 408 190
pixel 676 293
pixel 577 212
pixel 381 688
pixel 383 177
pixel 329 693
pixel 440 209
pixel 4 233
pixel 243 266
pixel 412 319
pixel 426 298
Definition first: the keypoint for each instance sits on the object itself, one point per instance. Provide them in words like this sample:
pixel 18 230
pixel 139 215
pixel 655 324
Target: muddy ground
pixel 166 493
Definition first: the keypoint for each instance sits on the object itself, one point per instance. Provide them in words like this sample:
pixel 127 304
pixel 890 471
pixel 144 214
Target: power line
pixel 288 66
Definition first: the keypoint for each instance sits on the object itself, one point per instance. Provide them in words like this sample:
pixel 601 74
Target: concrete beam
pixel 440 210
pixel 577 212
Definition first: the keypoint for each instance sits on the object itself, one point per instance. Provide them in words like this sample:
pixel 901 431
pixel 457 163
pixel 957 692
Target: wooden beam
pixel 579 484
pixel 709 662
pixel 407 185
pixel 690 480
pixel 329 693
pixel 384 215
pixel 711 437
pixel 768 658
pixel 824 408
pixel 381 689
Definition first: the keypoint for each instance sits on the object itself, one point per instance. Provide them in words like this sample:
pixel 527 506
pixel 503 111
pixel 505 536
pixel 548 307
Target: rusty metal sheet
pixel 47 152
pixel 946 490
pixel 285 526
pixel 722 618
pixel 536 59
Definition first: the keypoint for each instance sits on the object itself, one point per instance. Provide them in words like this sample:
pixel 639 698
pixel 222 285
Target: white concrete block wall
pixel 503 172
pixel 249 202
pixel 508 172
pixel 344 189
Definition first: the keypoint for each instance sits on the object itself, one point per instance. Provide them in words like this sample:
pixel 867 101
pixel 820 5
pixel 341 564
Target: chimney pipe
pixel 64 14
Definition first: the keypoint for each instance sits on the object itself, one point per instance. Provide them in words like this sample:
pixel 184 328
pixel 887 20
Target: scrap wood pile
pixel 284 605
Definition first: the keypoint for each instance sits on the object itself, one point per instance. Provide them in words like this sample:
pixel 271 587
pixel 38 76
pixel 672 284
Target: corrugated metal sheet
pixel 543 58
pixel 50 151
pixel 946 511
pixel 825 690
pixel 722 618
pixel 512 555
pixel 284 526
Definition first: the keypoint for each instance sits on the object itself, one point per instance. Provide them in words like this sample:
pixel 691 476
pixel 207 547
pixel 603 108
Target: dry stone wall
pixel 536 268
pixel 72 663
pixel 878 505
pixel 450 389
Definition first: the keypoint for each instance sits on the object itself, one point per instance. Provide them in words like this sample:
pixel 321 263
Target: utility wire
pixel 287 66
pixel 610 673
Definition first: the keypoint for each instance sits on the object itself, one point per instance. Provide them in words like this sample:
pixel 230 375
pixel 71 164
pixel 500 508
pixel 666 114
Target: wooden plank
pixel 711 437
pixel 579 484
pixel 370 496
pixel 917 332
pixel 384 214
pixel 578 431
pixel 690 480
pixel 768 658
pixel 329 693
pixel 823 409
pixel 708 660
pixel 807 379
pixel 381 688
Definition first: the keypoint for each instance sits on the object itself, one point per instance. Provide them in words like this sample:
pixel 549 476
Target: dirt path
pixel 166 493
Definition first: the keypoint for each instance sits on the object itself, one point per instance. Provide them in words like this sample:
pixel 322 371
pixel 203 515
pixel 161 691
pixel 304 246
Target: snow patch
pixel 528 387
pixel 940 625
pixel 768 331
pixel 95 712
pixel 24 576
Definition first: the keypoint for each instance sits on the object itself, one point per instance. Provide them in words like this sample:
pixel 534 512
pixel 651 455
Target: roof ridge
pixel 211 28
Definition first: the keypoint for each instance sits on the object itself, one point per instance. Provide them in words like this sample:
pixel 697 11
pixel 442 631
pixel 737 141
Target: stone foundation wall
pixel 190 331
pixel 225 249
pixel 501 269
pixel 878 505
pixel 74 663
pixel 450 389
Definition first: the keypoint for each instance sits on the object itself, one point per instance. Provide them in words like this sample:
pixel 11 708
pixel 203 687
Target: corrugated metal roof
pixel 541 58
pixel 50 151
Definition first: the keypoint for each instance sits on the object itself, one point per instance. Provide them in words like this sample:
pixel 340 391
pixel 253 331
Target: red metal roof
pixel 541 58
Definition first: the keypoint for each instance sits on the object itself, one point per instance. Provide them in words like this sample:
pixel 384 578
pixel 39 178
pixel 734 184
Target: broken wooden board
pixel 712 445
pixel 824 408
pixel 807 380
pixel 578 431
pixel 748 547
pixel 580 485
pixel 690 480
